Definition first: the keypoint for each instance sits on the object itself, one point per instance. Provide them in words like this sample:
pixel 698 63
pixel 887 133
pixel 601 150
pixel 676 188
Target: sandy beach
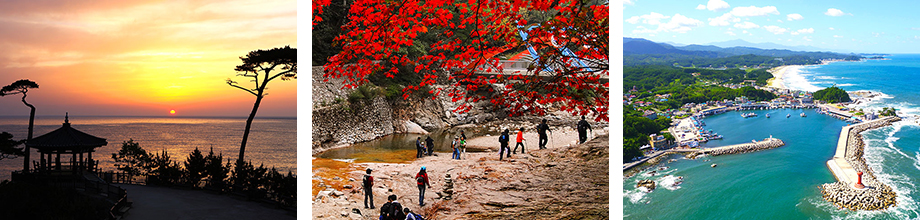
pixel 778 72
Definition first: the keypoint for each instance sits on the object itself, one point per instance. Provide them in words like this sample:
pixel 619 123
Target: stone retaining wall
pixel 340 125
pixel 876 195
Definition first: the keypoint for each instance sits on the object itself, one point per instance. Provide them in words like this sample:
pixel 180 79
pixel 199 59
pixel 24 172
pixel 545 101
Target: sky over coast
pixel 141 57
pixel 843 26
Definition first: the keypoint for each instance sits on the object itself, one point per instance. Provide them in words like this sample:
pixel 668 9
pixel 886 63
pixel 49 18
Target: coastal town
pixel 856 187
pixel 686 130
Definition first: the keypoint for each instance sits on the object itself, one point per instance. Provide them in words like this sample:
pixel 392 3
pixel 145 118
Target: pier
pixel 846 165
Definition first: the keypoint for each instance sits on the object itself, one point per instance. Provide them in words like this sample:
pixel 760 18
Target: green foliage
pixel 132 158
pixel 636 130
pixel 831 95
pixel 364 93
pixel 8 149
pixel 35 201
pixel 886 111
pixel 669 136
pixel 393 92
pixel 195 167
pixel 334 16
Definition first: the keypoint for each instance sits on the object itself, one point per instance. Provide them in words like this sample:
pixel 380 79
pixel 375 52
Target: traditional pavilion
pixel 69 142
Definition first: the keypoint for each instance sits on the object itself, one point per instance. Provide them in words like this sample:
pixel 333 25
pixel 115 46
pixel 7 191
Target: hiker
pixel 368 184
pixel 520 141
pixel 419 148
pixel 430 144
pixel 503 140
pixel 455 149
pixel 392 210
pixel 462 143
pixel 411 215
pixel 542 128
pixel 422 179
pixel 583 127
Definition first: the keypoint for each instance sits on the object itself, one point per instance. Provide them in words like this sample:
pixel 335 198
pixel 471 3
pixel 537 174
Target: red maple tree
pixel 571 43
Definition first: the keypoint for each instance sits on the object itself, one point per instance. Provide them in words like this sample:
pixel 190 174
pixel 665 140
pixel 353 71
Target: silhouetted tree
pixel 22 87
pixel 132 159
pixel 8 149
pixel 259 65
pixel 195 166
pixel 216 171
pixel 165 170
pixel 248 178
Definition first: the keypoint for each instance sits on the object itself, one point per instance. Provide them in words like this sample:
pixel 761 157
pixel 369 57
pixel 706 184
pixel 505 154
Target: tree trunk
pixel 25 160
pixel 252 115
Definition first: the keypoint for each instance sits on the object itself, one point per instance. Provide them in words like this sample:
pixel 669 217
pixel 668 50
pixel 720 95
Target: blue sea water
pixel 782 183
pixel 272 141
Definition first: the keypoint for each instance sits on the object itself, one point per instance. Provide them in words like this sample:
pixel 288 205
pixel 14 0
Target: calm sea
pixel 782 183
pixel 272 141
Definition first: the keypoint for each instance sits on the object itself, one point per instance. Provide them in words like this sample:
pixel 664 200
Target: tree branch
pixel 231 83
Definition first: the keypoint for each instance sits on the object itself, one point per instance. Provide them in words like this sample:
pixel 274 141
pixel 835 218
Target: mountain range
pixel 719 49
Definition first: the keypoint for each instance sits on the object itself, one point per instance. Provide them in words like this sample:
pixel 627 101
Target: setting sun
pixel 172 112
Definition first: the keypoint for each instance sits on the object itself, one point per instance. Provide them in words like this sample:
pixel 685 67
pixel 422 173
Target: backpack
pixel 388 208
pixel 420 180
pixel 368 181
pixel 399 211
pixel 414 216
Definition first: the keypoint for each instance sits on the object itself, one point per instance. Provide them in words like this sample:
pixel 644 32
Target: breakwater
pixel 768 143
pixel 847 161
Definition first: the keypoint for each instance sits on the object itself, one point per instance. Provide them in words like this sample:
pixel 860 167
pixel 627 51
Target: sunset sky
pixel 142 57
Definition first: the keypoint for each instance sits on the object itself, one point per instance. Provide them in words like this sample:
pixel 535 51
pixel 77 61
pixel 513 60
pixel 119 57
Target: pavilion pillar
pixel 57 161
pixel 82 167
pixel 89 158
pixel 73 161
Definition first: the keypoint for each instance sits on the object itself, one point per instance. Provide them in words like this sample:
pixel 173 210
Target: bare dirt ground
pixel 566 181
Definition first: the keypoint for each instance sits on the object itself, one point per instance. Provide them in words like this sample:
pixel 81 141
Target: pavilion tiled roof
pixel 66 137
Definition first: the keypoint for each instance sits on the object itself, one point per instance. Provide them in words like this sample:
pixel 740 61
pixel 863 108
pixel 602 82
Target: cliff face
pixel 339 123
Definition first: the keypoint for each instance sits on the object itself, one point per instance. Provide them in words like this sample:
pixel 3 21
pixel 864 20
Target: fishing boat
pixel 768 115
pixel 787 115
pixel 803 114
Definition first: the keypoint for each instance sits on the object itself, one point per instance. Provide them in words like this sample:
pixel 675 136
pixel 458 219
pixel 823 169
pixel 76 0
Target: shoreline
pixel 778 74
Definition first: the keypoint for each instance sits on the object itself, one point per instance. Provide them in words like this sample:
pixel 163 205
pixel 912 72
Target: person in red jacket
pixel 520 141
pixel 368 185
pixel 422 179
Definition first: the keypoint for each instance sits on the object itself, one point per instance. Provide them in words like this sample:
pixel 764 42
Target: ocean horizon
pixel 272 141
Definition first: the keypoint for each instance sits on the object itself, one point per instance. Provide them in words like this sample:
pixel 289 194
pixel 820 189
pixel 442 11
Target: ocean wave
pixel 794 78
pixel 845 84
pixel 878 149
pixel 635 195
pixel 670 182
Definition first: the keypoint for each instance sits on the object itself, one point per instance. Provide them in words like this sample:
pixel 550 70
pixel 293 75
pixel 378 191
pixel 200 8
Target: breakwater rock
pixel 876 195
pixel 768 143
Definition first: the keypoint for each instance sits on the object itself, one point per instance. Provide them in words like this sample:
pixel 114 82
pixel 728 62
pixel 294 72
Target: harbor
pixel 777 177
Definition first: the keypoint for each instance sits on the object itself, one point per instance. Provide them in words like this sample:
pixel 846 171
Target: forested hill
pixel 638 51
